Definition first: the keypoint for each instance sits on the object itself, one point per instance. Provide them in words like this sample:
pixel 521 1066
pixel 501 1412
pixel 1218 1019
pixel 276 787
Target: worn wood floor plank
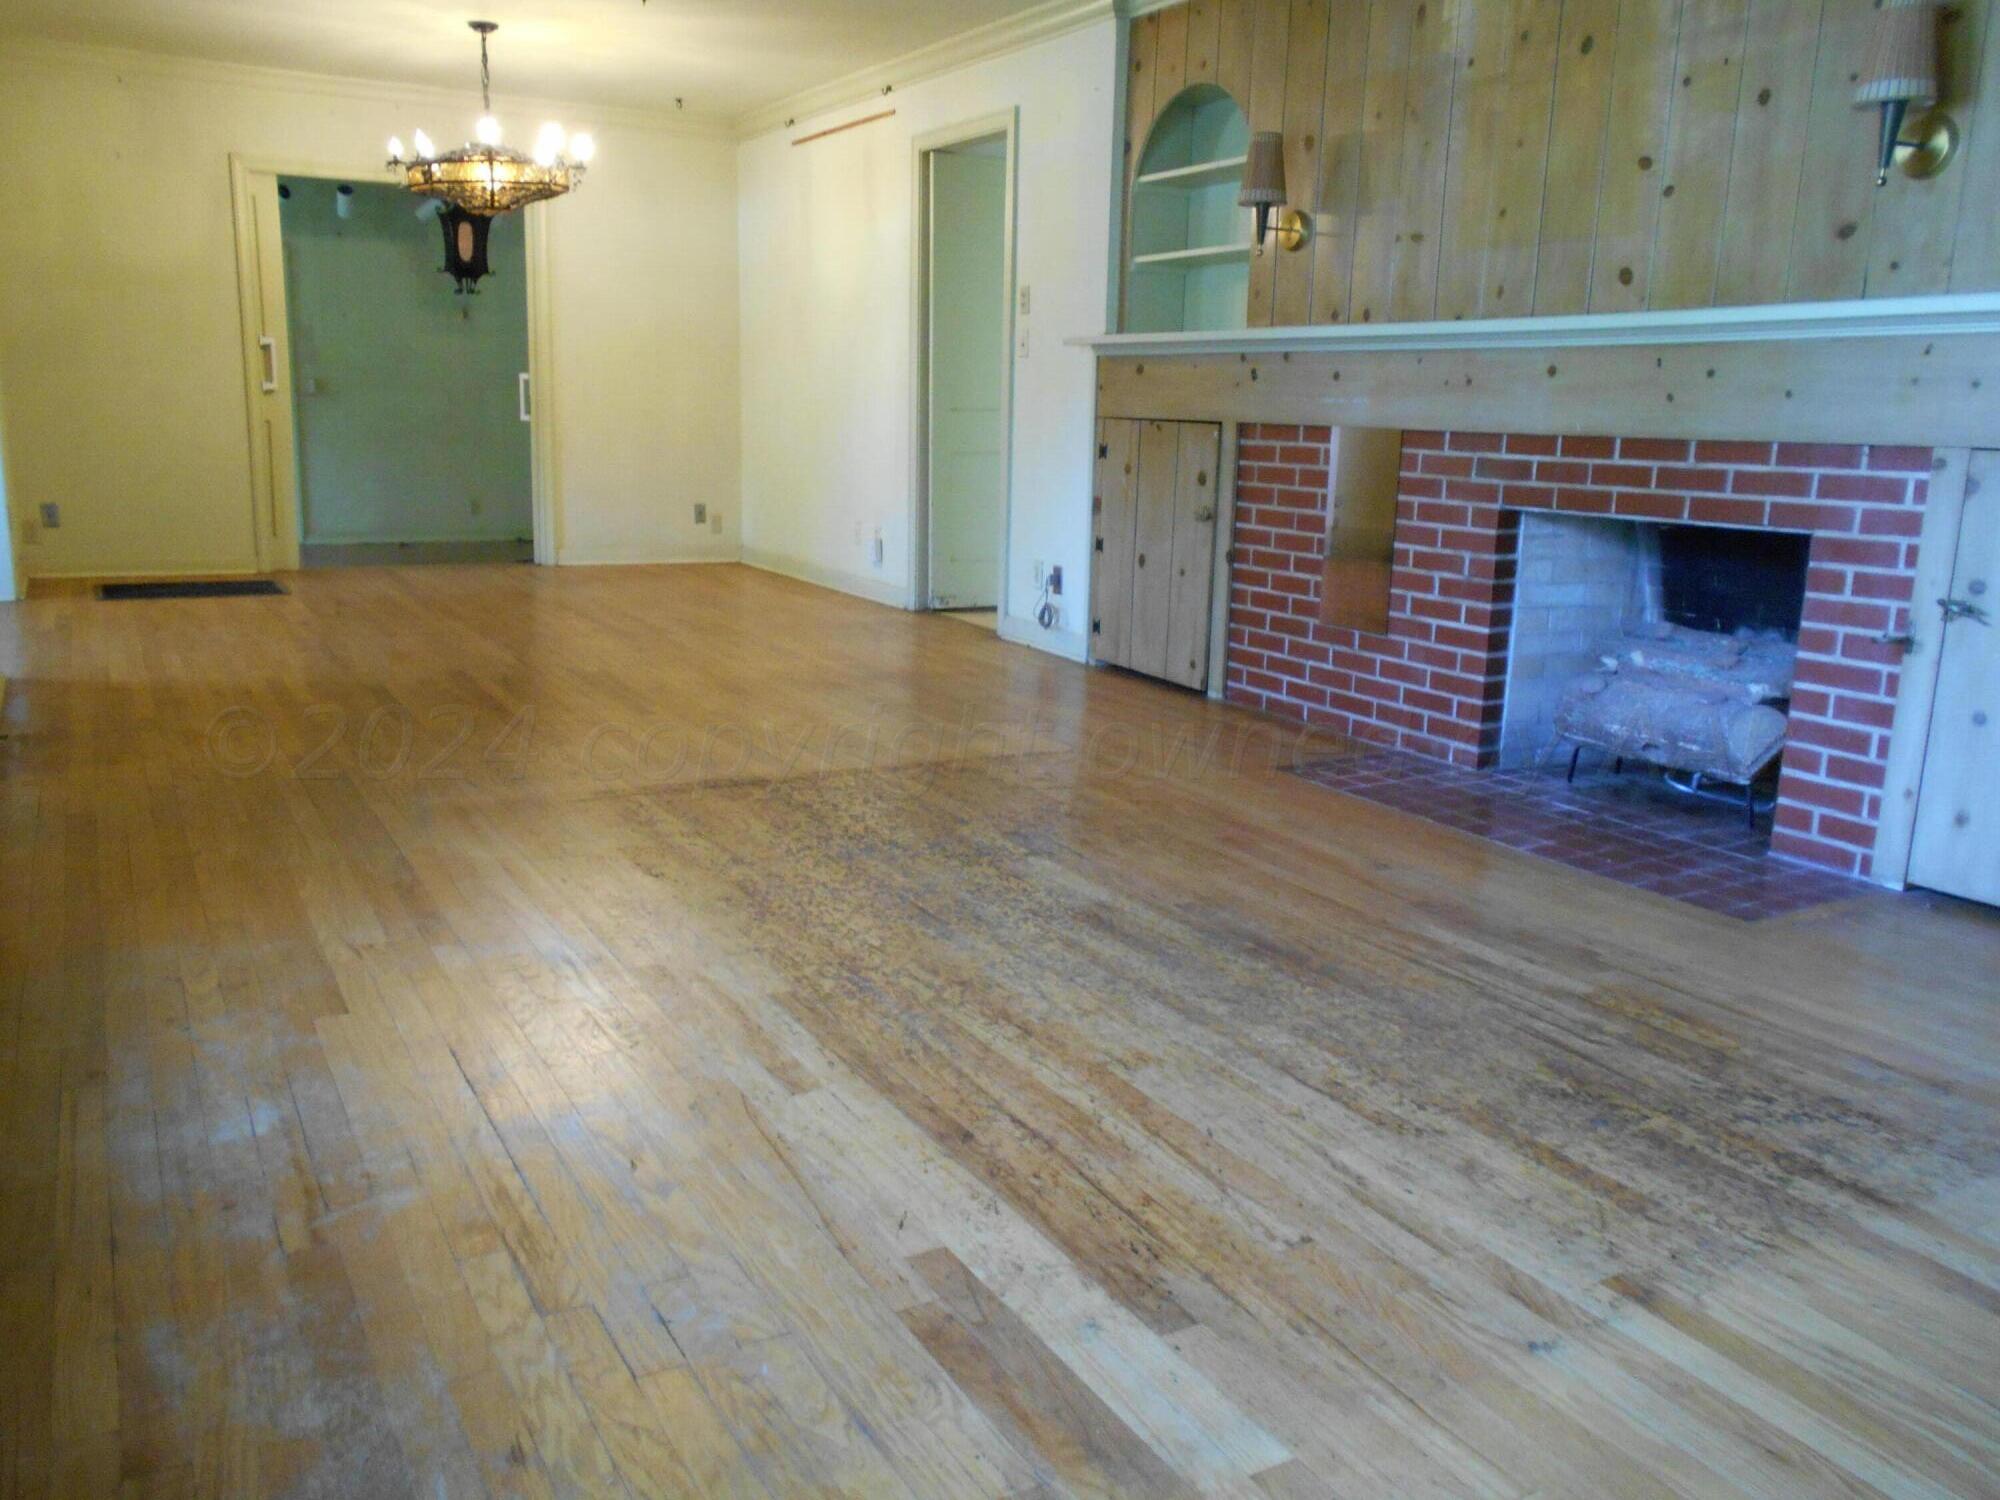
pixel 506 1031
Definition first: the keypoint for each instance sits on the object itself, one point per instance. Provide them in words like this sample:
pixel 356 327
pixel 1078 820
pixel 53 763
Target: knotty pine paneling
pixel 1495 158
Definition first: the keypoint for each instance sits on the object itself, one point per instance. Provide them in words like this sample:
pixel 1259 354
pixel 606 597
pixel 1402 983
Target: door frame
pixel 277 545
pixel 1005 123
pixel 1916 692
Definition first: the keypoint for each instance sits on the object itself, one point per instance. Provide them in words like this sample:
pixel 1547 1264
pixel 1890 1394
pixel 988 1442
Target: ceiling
pixel 725 58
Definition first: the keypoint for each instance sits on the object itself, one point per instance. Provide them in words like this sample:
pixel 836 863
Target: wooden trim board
pixel 1957 313
pixel 1939 392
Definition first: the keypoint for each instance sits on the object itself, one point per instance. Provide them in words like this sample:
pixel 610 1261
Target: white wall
pixel 826 269
pixel 119 339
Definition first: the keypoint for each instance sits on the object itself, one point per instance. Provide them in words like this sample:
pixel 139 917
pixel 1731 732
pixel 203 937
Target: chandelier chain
pixel 485 77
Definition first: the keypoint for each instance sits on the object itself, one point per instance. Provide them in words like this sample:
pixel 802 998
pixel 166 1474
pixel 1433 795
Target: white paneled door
pixel 1956 847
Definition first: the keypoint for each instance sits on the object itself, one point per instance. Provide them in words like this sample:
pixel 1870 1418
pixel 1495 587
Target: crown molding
pixel 38 54
pixel 1053 18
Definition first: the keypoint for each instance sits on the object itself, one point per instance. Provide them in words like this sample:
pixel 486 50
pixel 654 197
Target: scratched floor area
pixel 501 1031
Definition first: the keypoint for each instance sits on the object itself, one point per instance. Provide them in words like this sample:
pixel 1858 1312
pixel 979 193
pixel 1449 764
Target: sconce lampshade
pixel 1902 55
pixel 1264 179
pixel 1264 172
pixel 1901 70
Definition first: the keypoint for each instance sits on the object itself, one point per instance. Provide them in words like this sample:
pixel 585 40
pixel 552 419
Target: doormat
pixel 220 588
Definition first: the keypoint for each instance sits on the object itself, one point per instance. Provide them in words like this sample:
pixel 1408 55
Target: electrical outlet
pixel 700 514
pixel 1055 579
pixel 51 515
pixel 1024 302
pixel 715 522
pixel 875 549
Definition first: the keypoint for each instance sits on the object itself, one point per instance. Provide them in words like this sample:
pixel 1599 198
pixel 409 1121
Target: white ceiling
pixel 723 57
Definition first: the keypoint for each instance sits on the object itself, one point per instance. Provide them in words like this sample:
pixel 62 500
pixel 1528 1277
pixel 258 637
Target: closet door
pixel 1956 844
pixel 1114 513
pixel 1153 555
pixel 1153 547
pixel 1190 587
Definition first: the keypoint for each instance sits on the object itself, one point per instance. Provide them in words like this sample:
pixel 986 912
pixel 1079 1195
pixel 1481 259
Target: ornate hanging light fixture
pixel 484 177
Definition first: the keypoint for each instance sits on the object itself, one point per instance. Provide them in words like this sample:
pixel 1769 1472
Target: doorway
pixel 965 364
pixel 415 485
pixel 409 399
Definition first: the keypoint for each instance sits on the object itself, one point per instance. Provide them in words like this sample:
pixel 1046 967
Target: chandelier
pixel 484 177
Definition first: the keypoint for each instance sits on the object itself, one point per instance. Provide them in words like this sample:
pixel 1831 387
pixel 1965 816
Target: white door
pixel 968 361
pixel 1956 847
pixel 260 281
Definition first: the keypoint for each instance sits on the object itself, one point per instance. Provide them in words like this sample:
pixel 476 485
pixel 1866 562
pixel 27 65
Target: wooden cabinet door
pixel 1113 513
pixel 1190 591
pixel 1153 546
pixel 1153 556
pixel 1956 844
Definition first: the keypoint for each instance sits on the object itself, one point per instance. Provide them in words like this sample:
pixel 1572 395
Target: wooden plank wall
pixel 1496 158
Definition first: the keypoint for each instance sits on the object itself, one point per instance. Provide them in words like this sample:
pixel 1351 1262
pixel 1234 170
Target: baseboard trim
pixel 876 590
pixel 140 575
pixel 678 560
pixel 414 541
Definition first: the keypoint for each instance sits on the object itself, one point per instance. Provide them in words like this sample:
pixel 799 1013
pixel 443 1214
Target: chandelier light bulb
pixel 548 143
pixel 487 131
pixel 425 149
pixel 395 148
pixel 582 148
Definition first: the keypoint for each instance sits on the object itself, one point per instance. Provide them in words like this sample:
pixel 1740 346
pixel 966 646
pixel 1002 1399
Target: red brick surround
pixel 1433 684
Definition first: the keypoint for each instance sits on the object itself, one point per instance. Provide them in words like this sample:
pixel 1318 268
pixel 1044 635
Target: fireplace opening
pixel 1653 644
pixel 1724 579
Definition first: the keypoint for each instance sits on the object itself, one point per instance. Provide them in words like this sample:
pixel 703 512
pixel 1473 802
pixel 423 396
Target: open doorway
pixel 965 305
pixel 410 401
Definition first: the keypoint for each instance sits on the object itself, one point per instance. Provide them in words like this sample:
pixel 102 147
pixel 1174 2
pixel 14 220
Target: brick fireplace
pixel 1435 683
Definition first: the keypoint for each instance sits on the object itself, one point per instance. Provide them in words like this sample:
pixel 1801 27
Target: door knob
pixel 1962 609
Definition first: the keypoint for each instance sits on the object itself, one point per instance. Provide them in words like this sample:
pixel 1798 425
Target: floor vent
pixel 220 588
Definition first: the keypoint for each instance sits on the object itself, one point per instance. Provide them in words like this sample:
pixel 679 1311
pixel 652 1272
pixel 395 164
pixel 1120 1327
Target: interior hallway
pixel 681 1031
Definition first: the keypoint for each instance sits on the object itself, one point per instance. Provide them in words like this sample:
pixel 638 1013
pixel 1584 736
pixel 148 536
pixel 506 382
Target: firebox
pixel 1591 591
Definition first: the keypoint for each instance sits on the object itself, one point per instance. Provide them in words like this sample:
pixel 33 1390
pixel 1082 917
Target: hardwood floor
pixel 680 1032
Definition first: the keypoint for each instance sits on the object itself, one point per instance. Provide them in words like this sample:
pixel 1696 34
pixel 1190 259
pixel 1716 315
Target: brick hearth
pixel 1434 683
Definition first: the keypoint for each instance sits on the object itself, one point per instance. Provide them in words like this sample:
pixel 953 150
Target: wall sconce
pixel 1902 70
pixel 1264 190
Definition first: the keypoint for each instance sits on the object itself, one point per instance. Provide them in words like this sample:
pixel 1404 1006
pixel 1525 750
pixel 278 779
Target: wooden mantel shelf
pixel 1888 317
pixel 1922 370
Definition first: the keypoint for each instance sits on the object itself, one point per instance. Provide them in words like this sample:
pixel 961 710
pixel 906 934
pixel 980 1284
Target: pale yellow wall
pixel 119 338
pixel 7 579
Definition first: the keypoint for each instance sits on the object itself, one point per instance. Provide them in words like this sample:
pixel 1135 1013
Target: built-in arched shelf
pixel 1190 242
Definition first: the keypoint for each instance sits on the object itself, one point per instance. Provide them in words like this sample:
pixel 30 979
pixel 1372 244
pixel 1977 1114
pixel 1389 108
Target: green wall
pixel 967 370
pixel 408 420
